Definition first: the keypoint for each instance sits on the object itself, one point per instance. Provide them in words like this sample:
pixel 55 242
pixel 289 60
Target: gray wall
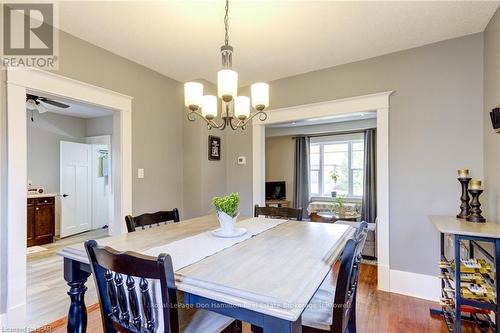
pixel 436 126
pixel 99 126
pixel 491 100
pixel 202 179
pixel 44 136
pixel 157 113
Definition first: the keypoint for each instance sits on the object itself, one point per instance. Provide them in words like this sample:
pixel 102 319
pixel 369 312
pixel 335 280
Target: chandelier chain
pixel 226 23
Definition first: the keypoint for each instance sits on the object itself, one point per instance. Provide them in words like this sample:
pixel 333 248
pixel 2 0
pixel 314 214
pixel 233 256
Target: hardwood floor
pixel 377 311
pixel 46 289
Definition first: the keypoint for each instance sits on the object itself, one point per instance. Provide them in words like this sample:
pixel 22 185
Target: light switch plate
pixel 242 160
pixel 140 173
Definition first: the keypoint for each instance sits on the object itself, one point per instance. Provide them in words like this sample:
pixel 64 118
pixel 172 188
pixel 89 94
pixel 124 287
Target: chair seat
pixel 318 313
pixel 193 320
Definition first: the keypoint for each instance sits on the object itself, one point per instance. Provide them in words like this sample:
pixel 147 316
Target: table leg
pixel 76 276
pixel 275 325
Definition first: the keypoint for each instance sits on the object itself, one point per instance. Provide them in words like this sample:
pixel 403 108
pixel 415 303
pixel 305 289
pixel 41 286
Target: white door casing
pixel 19 81
pixel 378 103
pixel 75 187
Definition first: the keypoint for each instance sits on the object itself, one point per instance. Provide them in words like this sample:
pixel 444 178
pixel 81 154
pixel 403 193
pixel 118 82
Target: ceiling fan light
pixel 193 94
pixel 31 105
pixel 260 96
pixel 242 107
pixel 41 108
pixel 209 107
pixel 227 84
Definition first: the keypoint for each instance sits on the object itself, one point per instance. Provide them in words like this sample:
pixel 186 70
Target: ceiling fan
pixel 34 102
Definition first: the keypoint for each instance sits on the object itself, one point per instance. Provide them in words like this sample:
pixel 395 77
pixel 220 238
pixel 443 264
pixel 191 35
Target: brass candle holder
pixel 475 211
pixel 464 198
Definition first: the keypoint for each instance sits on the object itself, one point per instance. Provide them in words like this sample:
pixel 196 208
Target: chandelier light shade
pixel 242 107
pixel 234 106
pixel 227 84
pixel 260 96
pixel 209 107
pixel 193 93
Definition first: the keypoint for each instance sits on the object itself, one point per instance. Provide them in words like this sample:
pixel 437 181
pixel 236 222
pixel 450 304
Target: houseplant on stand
pixel 226 210
pixel 335 177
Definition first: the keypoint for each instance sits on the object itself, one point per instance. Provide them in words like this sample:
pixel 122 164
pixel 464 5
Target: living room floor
pixel 377 312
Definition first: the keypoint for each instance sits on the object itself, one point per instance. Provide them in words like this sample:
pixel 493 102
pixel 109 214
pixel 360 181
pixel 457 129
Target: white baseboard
pixel 15 317
pixel 415 285
pixel 383 277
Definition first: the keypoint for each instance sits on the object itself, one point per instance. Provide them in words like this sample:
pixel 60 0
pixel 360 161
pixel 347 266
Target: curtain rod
pixel 335 133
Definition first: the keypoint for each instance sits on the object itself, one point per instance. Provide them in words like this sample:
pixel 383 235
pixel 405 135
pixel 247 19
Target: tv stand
pixel 277 203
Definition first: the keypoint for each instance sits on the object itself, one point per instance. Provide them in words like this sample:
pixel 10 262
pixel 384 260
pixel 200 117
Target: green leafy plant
pixel 228 204
pixel 340 201
pixel 334 176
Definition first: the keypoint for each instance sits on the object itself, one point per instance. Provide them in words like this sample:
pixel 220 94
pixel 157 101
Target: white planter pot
pixel 226 222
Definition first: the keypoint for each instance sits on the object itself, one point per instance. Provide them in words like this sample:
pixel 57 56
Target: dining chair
pixel 137 295
pixel 151 219
pixel 344 303
pixel 279 212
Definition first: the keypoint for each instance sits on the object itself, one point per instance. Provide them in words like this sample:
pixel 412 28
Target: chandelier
pixel 234 107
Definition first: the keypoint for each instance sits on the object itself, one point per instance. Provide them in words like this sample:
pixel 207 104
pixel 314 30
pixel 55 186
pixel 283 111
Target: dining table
pixel 265 277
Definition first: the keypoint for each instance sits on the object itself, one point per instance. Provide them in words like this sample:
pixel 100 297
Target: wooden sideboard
pixel 41 220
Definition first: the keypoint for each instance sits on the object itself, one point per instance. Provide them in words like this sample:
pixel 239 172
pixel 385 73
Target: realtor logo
pixel 29 35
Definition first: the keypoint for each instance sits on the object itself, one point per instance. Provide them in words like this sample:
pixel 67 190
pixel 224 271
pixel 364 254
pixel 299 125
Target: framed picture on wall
pixel 214 149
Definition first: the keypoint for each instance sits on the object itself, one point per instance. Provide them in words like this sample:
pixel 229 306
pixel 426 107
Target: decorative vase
pixel 226 222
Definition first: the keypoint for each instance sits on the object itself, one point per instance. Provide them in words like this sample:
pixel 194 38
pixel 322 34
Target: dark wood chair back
pixel 279 212
pixel 121 310
pixel 344 309
pixel 151 219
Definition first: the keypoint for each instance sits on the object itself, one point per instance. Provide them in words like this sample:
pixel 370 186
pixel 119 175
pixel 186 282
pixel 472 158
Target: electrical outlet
pixel 140 173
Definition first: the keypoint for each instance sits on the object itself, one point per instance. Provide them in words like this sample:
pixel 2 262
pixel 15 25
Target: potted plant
pixel 226 209
pixel 335 177
pixel 340 205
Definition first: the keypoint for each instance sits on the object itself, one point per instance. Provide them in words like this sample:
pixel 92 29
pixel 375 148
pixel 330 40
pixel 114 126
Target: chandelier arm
pixel 262 116
pixel 234 127
pixel 210 122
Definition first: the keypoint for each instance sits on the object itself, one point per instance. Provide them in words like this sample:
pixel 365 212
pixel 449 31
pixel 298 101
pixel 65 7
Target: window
pixel 342 155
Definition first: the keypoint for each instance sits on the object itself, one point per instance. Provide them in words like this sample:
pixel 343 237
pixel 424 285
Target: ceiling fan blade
pixel 53 103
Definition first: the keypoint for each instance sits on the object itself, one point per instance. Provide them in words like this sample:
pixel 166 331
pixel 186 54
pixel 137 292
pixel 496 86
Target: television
pixel 276 190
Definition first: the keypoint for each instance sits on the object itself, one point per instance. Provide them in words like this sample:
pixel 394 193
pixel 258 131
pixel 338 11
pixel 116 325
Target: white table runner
pixel 187 251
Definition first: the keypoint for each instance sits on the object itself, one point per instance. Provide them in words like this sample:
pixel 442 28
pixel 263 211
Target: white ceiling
pixel 76 109
pixel 327 120
pixel 272 39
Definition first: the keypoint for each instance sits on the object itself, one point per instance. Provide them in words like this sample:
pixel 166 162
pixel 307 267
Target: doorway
pixel 377 103
pixel 19 82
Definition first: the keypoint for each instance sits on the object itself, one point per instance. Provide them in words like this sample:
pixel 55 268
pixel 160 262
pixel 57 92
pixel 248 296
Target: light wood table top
pixel 275 272
pixel 453 225
pixel 143 240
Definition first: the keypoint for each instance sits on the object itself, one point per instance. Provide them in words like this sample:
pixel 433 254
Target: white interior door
pixel 76 188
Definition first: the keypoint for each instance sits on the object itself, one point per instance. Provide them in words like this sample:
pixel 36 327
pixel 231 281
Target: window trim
pixel 350 139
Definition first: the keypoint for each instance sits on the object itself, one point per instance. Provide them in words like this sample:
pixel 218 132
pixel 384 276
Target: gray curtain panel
pixel 369 211
pixel 301 173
